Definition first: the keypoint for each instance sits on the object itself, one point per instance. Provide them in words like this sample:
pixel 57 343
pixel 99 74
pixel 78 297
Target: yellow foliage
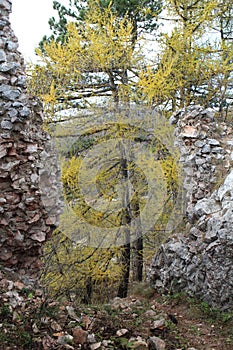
pixel 69 267
pixel 70 171
pixel 100 44
pixel 187 63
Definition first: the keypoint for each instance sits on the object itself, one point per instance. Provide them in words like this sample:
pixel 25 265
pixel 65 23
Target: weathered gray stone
pixel 2 79
pixel 5 4
pixel 200 261
pixel 210 236
pixel 199 143
pixel 158 323
pixel 2 56
pixel 213 142
pixel 3 23
pixel 206 206
pixel 11 94
pixel 21 81
pixel 226 188
pixel 25 219
pixel 200 161
pixel 12 46
pixel 156 343
pixel 217 150
pixel 3 151
pixel 12 113
pixel 6 124
pixel 7 67
pixel 24 112
pixel 206 149
pixel 195 233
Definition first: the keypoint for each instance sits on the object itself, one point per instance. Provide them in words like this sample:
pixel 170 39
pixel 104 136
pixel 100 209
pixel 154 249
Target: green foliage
pixel 124 343
pixel 143 13
pixel 200 309
pixel 19 336
pixel 5 311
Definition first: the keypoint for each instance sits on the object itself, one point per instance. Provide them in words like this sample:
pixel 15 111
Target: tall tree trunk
pixel 138 260
pixel 113 87
pixel 124 285
pixel 138 244
pixel 88 291
pixel 125 222
pixel 125 84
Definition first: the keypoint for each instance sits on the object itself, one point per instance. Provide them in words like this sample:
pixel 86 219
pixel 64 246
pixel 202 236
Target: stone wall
pixel 29 176
pixel 200 260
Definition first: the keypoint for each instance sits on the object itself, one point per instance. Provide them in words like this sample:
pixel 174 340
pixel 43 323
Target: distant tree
pixel 87 62
pixel 120 197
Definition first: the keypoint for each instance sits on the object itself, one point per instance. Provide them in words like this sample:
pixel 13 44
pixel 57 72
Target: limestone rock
pixel 122 332
pixel 200 261
pixel 155 343
pixel 139 345
pixel 95 346
pixel 158 323
pixel 27 215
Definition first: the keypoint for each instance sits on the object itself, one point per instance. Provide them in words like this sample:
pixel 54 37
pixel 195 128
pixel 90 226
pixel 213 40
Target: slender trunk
pixel 113 87
pixel 88 292
pixel 138 244
pixel 125 223
pixel 124 285
pixel 223 105
pixel 125 96
pixel 138 260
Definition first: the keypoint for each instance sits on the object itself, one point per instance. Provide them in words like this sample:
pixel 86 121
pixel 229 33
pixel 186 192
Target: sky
pixel 29 20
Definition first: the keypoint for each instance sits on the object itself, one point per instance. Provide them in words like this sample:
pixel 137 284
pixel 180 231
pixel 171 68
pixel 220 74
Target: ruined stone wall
pixel 199 261
pixel 29 176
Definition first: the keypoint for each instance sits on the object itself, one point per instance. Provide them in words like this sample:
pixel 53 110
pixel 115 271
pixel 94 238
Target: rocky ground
pixel 144 320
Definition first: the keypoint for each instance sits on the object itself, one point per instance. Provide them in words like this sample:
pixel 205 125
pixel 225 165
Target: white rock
pixel 122 332
pixel 95 346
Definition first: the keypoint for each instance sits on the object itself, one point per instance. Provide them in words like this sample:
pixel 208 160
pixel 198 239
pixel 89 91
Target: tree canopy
pixel 95 50
pixel 142 13
pixel 194 65
pixel 95 64
pixel 98 58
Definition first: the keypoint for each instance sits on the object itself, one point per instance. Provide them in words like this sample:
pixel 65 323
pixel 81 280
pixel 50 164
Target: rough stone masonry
pixel 200 260
pixel 29 175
